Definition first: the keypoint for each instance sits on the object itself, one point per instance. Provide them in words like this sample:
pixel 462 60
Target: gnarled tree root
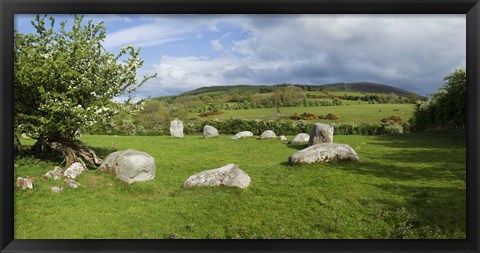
pixel 73 151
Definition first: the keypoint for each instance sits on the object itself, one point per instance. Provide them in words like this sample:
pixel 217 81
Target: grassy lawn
pixel 353 113
pixel 405 186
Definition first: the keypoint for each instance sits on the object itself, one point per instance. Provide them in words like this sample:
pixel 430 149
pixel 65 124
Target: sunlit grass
pixel 405 186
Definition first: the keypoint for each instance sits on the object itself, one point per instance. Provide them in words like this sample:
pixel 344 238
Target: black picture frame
pixel 10 7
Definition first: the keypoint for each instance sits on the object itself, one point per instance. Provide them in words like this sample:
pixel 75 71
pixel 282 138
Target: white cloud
pixel 110 17
pixel 143 35
pixel 409 51
pixel 217 45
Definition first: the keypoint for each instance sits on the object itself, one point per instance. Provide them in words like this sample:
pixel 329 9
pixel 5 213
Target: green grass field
pixel 404 186
pixel 353 113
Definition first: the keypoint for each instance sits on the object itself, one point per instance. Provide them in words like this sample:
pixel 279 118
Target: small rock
pixel 243 134
pixel 56 173
pixel 321 133
pixel 300 138
pixel 209 131
pixel 228 175
pixel 283 138
pixel 71 183
pixel 56 188
pixel 74 170
pixel 25 183
pixel 268 134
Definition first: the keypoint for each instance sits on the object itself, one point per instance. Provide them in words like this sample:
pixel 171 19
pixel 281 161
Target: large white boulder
pixel 268 134
pixel 176 128
pixel 130 166
pixel 324 152
pixel 243 134
pixel 229 175
pixel 209 131
pixel 321 133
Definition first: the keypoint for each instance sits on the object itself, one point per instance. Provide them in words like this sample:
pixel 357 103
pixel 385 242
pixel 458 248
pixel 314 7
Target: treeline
pixel 445 109
pixel 280 95
pixel 241 89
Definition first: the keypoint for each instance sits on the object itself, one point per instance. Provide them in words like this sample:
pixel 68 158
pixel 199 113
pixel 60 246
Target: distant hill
pixel 366 87
pixel 231 89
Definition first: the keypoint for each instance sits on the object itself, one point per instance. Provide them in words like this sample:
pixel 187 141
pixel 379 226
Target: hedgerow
pixel 280 127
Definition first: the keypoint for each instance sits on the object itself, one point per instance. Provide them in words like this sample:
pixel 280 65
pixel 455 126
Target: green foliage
pixel 210 113
pixel 243 97
pixel 280 126
pixel 305 116
pixel 155 115
pixel 332 116
pixel 311 116
pixel 64 79
pixel 447 107
pixel 392 119
pixel 394 128
pixel 288 127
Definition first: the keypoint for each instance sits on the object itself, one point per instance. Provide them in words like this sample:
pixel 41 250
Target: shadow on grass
pixel 414 156
pixel 286 164
pixel 27 152
pixel 389 171
pixel 438 140
pixel 427 212
pixel 297 146
pixel 102 152
pixel 427 207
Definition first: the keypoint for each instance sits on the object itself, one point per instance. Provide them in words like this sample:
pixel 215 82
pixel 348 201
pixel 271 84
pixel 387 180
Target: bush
pixel 288 127
pixel 311 116
pixel 393 128
pixel 305 116
pixel 332 116
pixel 394 119
pixel 280 127
pixel 445 109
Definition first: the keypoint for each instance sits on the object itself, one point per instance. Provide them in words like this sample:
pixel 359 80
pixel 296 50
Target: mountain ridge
pixel 366 87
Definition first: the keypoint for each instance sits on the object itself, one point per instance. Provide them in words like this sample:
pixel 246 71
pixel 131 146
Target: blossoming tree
pixel 65 80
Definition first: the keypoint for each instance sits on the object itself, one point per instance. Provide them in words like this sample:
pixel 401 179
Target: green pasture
pixel 353 113
pixel 341 93
pixel 404 186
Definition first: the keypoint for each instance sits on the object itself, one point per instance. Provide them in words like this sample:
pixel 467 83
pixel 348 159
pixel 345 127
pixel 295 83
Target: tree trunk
pixel 17 144
pixel 73 151
pixel 277 110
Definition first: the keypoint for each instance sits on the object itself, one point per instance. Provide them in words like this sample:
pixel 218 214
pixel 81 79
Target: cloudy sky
pixel 413 52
